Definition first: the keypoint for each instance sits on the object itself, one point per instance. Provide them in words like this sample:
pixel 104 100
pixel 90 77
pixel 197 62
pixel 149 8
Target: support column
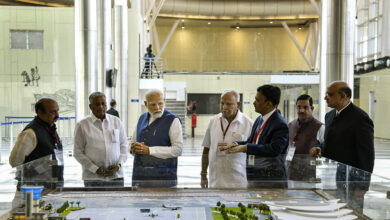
pixel 105 46
pixel 120 52
pixel 85 54
pixel 337 40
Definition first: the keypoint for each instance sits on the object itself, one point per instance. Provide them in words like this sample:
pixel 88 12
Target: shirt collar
pixel 338 112
pixel 94 118
pixel 238 117
pixel 266 116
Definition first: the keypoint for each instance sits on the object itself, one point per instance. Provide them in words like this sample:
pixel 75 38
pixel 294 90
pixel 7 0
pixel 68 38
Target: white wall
pixel 55 62
pixel 377 82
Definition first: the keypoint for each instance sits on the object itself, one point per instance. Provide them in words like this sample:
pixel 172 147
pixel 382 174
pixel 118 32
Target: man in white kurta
pixel 100 145
pixel 226 170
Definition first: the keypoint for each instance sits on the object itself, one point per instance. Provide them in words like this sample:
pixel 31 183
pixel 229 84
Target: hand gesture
pixel 111 170
pixel 315 152
pixel 139 148
pixel 236 149
pixel 223 146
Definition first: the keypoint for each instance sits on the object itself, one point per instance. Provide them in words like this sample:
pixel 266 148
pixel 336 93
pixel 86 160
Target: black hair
pixel 39 106
pixel 271 93
pixel 113 102
pixel 346 90
pixel 305 97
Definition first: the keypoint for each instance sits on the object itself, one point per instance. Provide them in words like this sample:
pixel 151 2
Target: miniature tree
pixel 71 204
pixel 218 203
pixel 78 203
pixel 240 204
pixel 243 209
pixel 223 206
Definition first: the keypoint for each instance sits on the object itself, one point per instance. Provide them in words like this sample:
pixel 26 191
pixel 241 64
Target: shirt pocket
pixel 115 136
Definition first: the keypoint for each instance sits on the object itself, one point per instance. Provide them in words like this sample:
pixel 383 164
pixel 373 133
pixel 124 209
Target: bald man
pixel 349 131
pixel 348 139
pixel 37 140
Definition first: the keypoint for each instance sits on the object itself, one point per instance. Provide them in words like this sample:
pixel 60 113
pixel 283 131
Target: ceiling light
pixel 182 20
pixel 209 22
pixel 271 22
pixel 300 28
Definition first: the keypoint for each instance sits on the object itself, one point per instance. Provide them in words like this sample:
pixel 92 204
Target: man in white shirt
pixel 226 170
pixel 267 144
pixel 100 145
pixel 156 144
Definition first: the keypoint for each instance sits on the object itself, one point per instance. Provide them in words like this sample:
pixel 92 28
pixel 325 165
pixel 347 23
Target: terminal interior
pixel 67 49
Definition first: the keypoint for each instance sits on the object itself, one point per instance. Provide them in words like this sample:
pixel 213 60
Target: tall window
pixel 26 39
pixel 369 27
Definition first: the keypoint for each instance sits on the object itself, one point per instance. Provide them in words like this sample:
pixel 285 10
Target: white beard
pixel 156 115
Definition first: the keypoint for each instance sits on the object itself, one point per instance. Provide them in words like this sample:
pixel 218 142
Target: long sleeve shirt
pixel 100 143
pixel 25 144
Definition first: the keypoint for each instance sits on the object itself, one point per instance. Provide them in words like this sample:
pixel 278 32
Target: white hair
pixel 235 93
pixel 94 95
pixel 153 92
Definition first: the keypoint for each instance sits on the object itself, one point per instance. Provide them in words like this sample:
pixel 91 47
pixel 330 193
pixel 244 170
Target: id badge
pixel 251 160
pixel 59 157
pixel 290 152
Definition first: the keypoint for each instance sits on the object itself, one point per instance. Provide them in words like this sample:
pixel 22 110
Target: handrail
pixel 152 68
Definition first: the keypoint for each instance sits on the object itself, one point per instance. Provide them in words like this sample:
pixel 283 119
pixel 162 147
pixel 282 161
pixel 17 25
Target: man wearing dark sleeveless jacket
pixel 39 139
pixel 305 133
pixel 156 144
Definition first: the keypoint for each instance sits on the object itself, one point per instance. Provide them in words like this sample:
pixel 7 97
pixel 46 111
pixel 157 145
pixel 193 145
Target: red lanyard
pixel 50 130
pixel 224 131
pixel 261 128
pixel 296 134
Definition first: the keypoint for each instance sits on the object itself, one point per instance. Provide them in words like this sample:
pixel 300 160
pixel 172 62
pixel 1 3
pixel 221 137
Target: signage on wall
pixel 32 78
pixel 247 102
pixel 134 100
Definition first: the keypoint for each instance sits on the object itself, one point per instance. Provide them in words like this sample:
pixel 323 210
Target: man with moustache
pixel 38 140
pixel 226 170
pixel 349 139
pixel 267 144
pixel 156 144
pixel 100 145
pixel 349 131
pixel 306 132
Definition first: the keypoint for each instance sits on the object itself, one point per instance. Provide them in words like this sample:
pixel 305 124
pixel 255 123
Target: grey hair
pixel 152 92
pixel 94 95
pixel 235 93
